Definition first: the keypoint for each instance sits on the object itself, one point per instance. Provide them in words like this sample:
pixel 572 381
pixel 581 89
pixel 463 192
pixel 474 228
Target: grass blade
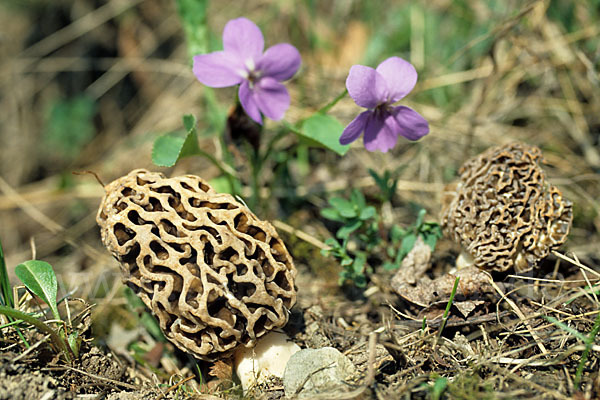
pixel 5 289
pixel 447 311
pixel 58 342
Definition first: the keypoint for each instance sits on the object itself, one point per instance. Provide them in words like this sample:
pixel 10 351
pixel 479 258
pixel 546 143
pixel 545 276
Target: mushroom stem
pixel 268 358
pixel 464 260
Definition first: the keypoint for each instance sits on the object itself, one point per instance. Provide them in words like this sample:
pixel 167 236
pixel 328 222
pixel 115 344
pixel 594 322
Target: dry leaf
pixel 412 283
pixel 221 370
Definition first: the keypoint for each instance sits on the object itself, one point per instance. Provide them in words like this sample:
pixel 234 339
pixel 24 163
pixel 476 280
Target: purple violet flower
pixel 377 89
pixel 259 74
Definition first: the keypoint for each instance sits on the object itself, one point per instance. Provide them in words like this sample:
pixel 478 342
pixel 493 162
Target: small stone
pixel 316 371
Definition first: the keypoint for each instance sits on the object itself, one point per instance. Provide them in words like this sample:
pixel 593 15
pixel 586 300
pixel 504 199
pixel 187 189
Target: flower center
pixel 252 74
pixel 382 109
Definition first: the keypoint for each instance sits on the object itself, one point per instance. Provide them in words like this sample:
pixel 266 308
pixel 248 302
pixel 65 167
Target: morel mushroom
pixel 216 277
pixel 504 212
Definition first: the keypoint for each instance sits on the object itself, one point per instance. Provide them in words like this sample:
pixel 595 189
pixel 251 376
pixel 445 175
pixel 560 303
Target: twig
pixel 515 377
pixel 90 173
pixel 175 386
pixel 30 349
pixel 575 262
pixel 373 336
pixel 521 316
pixel 300 234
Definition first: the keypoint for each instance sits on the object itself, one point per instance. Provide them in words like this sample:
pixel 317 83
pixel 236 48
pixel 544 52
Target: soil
pixel 489 350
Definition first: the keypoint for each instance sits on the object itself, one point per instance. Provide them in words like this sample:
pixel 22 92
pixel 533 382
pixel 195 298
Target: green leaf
pixel 343 206
pixel 70 126
pixel 193 18
pixel 420 218
pixel 396 234
pixel 152 326
pixel 346 230
pixel 346 261
pixel 359 265
pixel 332 242
pixel 170 148
pixel 380 181
pixel 189 123
pixel 407 244
pixel 439 386
pixel 166 150
pixel 221 184
pixel 358 199
pixel 367 213
pixel 391 252
pixel 325 131
pixel 430 240
pixel 74 342
pixel 332 214
pixel 146 319
pixel 388 266
pixel 39 277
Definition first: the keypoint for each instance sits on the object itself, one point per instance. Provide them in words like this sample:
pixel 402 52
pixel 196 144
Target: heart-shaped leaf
pixel 170 148
pixel 325 131
pixel 38 276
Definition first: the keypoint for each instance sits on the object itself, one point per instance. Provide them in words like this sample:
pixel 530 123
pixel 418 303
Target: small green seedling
pixel 355 216
pixel 359 223
pixel 39 278
pixel 386 184
pixel 403 240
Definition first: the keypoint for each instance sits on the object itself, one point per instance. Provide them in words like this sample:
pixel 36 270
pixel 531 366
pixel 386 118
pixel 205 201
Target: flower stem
pixel 223 167
pixel 256 166
pixel 329 106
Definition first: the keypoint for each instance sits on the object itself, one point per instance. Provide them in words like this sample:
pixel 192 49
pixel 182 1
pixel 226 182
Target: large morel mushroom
pixel 504 212
pixel 215 276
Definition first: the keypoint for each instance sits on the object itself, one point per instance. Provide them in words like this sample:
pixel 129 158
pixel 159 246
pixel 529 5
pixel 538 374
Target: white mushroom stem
pixel 268 358
pixel 464 260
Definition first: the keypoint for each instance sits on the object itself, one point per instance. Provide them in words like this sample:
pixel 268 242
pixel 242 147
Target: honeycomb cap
pixel 503 211
pixel 215 276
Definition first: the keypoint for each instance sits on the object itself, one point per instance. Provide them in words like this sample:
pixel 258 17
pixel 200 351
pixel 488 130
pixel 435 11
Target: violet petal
pixel 248 102
pixel 383 133
pixel 400 77
pixel 373 128
pixel 244 39
pixel 218 69
pixel 366 86
pixel 412 125
pixel 272 98
pixel 280 61
pixel 355 128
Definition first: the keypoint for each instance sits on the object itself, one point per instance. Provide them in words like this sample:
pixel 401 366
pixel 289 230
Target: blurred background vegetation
pixel 89 85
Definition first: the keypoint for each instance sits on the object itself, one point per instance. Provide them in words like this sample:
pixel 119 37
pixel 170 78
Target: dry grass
pixel 536 82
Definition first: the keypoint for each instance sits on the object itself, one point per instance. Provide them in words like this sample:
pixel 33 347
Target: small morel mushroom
pixel 504 212
pixel 216 277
